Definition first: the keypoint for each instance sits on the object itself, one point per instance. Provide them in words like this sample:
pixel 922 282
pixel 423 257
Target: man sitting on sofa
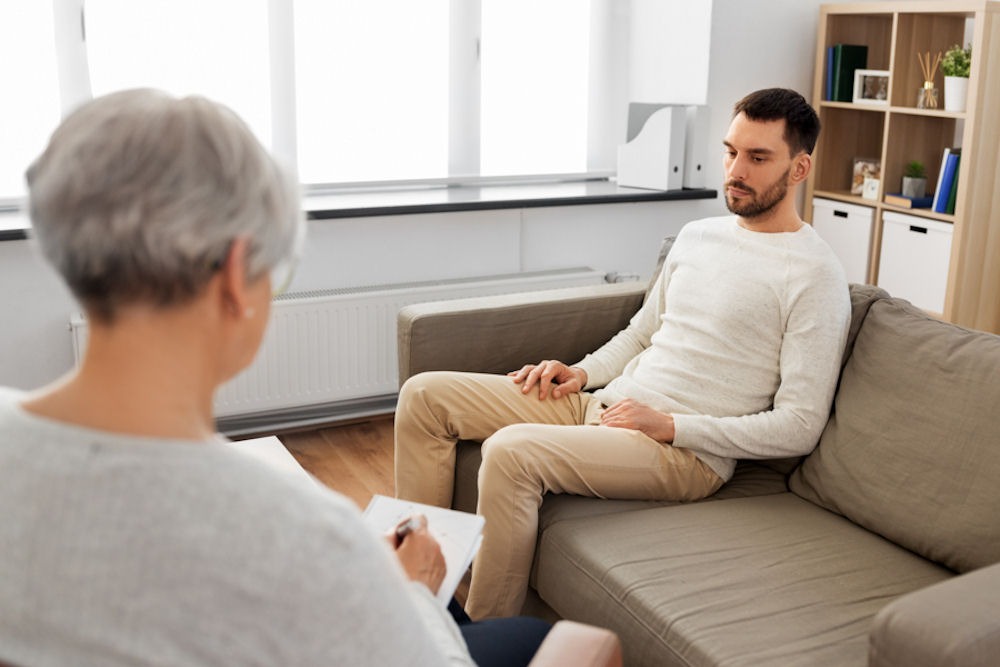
pixel 735 354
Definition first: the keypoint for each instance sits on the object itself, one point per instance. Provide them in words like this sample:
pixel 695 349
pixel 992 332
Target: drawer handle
pixel 840 214
pixel 919 230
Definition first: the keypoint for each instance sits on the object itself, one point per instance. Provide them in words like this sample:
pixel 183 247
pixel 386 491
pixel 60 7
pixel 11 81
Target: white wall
pixel 755 44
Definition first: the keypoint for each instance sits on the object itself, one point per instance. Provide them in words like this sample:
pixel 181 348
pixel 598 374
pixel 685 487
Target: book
pixel 458 533
pixel 953 193
pixel 949 164
pixel 901 200
pixel 828 81
pixel 846 59
pixel 940 179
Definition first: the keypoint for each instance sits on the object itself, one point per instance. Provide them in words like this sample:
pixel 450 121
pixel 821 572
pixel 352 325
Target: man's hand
pixel 638 417
pixel 551 375
pixel 420 555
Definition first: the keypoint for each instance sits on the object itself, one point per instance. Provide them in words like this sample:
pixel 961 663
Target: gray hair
pixel 139 195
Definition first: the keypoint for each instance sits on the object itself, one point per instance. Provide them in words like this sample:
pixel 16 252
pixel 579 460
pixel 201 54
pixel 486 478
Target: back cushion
pixel 912 450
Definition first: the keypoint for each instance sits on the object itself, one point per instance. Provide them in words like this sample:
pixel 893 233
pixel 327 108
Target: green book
pixel 846 59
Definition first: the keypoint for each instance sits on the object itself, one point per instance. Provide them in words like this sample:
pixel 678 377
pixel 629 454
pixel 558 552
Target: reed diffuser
pixel 927 97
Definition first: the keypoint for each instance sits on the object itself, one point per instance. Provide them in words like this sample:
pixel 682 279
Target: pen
pixel 408 526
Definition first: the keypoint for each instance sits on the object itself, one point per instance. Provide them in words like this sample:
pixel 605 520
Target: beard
pixel 757 204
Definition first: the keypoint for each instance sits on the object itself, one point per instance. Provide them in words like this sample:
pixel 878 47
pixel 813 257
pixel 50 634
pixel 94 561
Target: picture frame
pixel 865 168
pixel 871 86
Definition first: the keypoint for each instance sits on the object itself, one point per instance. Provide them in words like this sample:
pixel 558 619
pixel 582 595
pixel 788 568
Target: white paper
pixel 275 455
pixel 458 533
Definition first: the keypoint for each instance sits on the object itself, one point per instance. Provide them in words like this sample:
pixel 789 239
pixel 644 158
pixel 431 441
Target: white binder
pixel 653 158
pixel 695 146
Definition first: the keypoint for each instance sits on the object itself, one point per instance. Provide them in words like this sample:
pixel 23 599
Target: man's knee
pixel 508 448
pixel 423 391
pixel 420 383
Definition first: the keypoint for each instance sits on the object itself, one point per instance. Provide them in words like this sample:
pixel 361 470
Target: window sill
pixel 441 199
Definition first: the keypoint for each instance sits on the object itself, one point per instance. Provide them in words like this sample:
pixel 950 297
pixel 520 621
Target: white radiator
pixel 334 346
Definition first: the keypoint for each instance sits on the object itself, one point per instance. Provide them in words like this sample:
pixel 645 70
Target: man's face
pixel 758 165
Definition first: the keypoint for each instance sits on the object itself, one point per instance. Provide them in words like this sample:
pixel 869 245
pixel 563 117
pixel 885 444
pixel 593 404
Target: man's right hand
pixel 550 376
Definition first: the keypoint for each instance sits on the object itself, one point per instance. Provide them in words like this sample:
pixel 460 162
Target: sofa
pixel 880 547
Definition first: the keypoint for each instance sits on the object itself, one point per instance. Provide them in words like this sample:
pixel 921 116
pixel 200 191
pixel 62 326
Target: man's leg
pixel 522 462
pixel 437 409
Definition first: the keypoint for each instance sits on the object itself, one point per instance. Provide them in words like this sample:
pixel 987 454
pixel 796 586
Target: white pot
pixel 955 90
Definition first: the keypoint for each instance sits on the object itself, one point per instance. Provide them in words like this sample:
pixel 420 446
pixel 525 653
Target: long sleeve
pixel 195 554
pixel 610 360
pixel 740 341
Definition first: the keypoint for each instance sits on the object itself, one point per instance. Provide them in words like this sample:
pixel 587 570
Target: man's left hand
pixel 638 417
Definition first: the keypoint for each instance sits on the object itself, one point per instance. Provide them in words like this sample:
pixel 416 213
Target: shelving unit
pixel 897 133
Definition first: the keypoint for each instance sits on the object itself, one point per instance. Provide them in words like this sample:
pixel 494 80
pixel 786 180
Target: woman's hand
pixel 639 417
pixel 420 555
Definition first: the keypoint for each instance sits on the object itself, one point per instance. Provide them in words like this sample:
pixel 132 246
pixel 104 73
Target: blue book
pixel 950 207
pixel 948 171
pixel 828 92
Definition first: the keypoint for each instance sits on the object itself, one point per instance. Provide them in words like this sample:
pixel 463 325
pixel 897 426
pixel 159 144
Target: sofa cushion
pixel 912 450
pixel 769 580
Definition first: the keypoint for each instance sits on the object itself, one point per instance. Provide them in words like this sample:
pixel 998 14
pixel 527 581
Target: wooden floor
pixel 354 459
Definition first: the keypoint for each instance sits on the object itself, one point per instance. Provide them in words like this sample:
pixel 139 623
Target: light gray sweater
pixel 119 550
pixel 740 340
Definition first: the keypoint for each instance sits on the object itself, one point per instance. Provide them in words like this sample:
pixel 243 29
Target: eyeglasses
pixel 282 274
pixel 284 271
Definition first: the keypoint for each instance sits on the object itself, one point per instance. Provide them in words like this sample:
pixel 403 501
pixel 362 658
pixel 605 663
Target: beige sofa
pixel 880 547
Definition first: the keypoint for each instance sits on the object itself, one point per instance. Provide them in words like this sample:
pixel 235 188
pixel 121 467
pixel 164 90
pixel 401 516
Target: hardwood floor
pixel 354 459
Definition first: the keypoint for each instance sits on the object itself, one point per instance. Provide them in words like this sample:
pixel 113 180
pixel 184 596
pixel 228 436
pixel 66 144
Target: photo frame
pixel 865 169
pixel 871 86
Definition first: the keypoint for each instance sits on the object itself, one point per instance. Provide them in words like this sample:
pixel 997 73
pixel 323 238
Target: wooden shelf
pixel 898 132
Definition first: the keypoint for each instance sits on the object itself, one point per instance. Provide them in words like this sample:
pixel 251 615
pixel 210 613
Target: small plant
pixel 957 61
pixel 914 169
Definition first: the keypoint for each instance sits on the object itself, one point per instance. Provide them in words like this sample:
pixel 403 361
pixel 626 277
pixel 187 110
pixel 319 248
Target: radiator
pixel 339 346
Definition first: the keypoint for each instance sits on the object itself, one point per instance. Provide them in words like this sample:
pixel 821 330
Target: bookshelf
pixel 898 132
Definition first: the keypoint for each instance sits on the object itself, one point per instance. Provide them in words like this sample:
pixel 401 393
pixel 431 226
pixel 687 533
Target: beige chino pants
pixel 530 447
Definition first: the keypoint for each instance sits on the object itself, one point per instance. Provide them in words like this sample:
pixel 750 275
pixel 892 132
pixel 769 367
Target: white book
pixel 458 533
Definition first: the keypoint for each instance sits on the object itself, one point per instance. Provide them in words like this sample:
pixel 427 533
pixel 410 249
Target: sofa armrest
pixel 955 622
pixel 570 643
pixel 498 334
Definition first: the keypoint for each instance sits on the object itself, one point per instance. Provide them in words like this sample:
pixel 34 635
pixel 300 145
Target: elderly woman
pixel 131 533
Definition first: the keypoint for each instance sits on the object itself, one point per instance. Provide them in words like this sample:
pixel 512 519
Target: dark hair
pixel 801 122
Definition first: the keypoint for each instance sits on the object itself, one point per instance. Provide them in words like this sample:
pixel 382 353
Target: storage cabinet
pixel 897 132
pixel 913 260
pixel 847 229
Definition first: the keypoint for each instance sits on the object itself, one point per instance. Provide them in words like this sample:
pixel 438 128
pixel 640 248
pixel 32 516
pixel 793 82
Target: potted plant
pixel 914 179
pixel 955 66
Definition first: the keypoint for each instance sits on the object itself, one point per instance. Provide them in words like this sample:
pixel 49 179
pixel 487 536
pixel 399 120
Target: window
pixel 374 91
pixel 426 89
pixel 218 49
pixel 30 110
pixel 535 62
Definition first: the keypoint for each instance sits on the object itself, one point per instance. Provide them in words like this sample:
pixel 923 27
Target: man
pixel 734 354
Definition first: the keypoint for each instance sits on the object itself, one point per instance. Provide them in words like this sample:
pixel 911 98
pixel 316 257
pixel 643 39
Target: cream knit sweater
pixel 740 340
